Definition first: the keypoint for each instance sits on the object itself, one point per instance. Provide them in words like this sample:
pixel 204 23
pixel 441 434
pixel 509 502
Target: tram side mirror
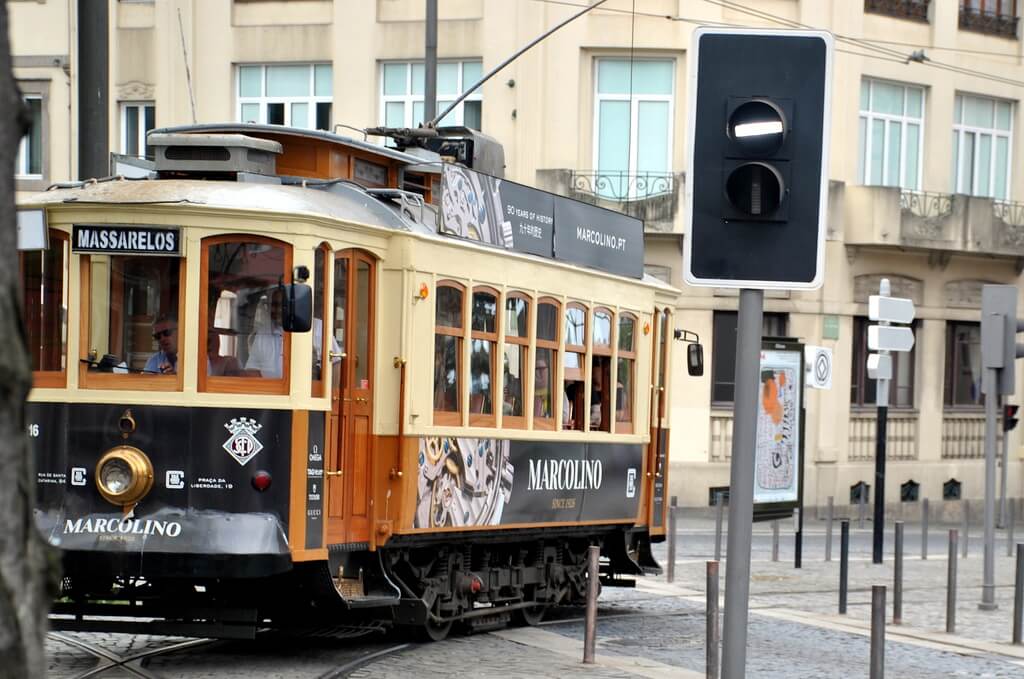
pixel 695 360
pixel 296 307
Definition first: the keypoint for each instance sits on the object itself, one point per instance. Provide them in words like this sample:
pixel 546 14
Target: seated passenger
pixel 165 332
pixel 216 364
pixel 266 343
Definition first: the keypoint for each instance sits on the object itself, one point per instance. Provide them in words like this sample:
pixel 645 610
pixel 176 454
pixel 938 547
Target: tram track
pixel 131 663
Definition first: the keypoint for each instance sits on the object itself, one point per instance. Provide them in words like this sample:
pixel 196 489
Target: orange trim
pixel 509 526
pixel 297 487
pixel 309 554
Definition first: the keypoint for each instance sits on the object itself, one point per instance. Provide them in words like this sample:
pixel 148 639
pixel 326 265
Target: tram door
pixel 352 398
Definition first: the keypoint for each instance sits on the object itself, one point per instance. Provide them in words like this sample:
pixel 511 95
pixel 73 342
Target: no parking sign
pixel 818 364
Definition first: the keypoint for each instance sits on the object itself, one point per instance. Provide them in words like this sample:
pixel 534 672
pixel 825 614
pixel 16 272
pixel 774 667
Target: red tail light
pixel 261 480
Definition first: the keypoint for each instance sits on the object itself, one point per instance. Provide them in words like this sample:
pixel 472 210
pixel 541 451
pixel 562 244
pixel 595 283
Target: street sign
pixel 892 309
pixel 818 362
pixel 880 366
pixel 890 338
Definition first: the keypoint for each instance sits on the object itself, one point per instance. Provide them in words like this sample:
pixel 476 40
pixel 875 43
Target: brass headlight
pixel 124 475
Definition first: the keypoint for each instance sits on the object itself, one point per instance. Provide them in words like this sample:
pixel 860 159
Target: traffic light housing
pixel 757 181
pixel 999 328
pixel 1010 417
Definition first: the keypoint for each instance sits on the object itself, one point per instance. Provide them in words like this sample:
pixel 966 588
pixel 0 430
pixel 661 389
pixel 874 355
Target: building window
pixel 448 331
pixel 297 95
pixel 601 371
pixel 995 17
pixel 515 360
pixel 963 364
pixel 137 119
pixel 45 301
pixel 625 374
pixel 982 136
pixel 546 364
pixel 633 126
pixel 723 354
pixel 402 93
pixel 482 350
pixel 903 9
pixel 30 150
pixel 863 389
pixel 575 378
pixel 891 129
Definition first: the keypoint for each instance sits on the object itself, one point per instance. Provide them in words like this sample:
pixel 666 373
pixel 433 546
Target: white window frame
pixel 21 166
pixel 634 115
pixel 408 99
pixel 263 100
pixel 904 120
pixel 141 135
pixel 961 130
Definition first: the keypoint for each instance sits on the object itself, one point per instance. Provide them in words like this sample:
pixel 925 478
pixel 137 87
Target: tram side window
pixel 243 307
pixel 447 352
pixel 601 371
pixel 625 375
pixel 133 303
pixel 546 364
pixel 483 348
pixel 45 300
pixel 517 349
pixel 575 369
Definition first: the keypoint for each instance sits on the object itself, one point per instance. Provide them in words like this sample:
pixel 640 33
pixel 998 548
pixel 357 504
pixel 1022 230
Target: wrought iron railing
pixel 622 186
pixel 987 21
pixel 1009 212
pixel 927 204
pixel 904 9
pixel 901 435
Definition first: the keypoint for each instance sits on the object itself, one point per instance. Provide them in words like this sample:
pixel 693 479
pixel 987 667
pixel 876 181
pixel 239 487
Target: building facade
pixel 925 135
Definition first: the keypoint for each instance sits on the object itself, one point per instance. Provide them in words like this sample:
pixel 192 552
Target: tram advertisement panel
pixel 490 482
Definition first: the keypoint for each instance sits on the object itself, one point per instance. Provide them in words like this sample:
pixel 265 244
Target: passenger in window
pixel 266 343
pixel 542 392
pixel 165 332
pixel 596 398
pixel 216 364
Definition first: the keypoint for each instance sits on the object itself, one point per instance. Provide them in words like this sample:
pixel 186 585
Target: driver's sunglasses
pixel 166 332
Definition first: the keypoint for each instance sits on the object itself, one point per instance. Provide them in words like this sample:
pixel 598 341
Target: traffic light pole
pixel 741 484
pixel 882 399
pixel 988 587
pixel 1004 459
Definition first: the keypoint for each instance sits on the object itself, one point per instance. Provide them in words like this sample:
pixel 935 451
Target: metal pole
pixel 718 527
pixel 844 562
pixel 1018 596
pixel 711 664
pixel 861 509
pixel 430 64
pixel 877 632
pixel 775 540
pixel 924 528
pixel 988 587
pixel 1003 460
pixel 897 587
pixel 741 484
pixel 590 632
pixel 828 528
pixel 93 89
pixel 882 400
pixel 967 527
pixel 1011 526
pixel 670 575
pixel 798 543
pixel 951 584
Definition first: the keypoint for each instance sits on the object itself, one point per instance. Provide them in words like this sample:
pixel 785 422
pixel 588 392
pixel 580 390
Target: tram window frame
pixel 91 379
pixel 575 420
pixel 240 384
pixel 320 258
pixel 625 358
pixel 551 345
pixel 513 421
pixel 601 359
pixel 47 378
pixel 484 419
pixel 450 417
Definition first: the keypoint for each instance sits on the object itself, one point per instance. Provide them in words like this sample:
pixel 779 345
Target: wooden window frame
pixel 519 421
pixel 454 417
pixel 485 419
pixel 626 426
pixel 578 374
pixel 547 423
pixel 53 379
pixel 951 364
pixel 318 386
pixel 607 351
pixel 240 385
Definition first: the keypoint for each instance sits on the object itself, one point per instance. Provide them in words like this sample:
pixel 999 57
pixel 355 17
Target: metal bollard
pixel 924 528
pixel 1018 596
pixel 877 632
pixel 844 562
pixel 590 632
pixel 828 529
pixel 1011 526
pixel 775 540
pixel 897 587
pixel 862 504
pixel 966 527
pixel 711 658
pixel 718 527
pixel 951 585
pixel 670 572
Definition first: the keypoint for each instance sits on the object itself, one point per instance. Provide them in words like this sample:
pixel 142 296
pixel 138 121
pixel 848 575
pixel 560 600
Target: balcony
pixel 654 197
pixel 915 10
pixel 939 223
pixel 984 20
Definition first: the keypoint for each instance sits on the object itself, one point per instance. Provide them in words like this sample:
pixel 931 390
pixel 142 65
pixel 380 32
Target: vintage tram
pixel 271 387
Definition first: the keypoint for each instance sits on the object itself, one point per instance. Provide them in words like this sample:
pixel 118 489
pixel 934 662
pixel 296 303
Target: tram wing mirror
pixel 695 360
pixel 297 307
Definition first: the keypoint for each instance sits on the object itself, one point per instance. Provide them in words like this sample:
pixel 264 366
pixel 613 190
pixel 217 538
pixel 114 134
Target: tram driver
pixel 165 360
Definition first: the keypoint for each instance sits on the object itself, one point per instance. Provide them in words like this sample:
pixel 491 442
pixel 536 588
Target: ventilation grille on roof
pixel 213 154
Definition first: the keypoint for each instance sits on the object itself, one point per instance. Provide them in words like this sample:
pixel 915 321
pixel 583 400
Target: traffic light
pixel 999 328
pixel 757 180
pixel 1009 417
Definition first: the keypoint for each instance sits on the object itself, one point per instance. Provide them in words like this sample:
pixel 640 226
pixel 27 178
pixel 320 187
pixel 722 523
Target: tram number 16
pixel 33 431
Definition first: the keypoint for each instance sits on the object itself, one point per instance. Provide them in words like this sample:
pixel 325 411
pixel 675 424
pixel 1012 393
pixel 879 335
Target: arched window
pixel 516 359
pixel 448 333
pixel 625 374
pixel 573 401
pixel 601 371
pixel 44 276
pixel 546 364
pixel 482 351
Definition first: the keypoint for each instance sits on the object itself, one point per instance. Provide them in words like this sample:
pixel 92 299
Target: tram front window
pixel 133 304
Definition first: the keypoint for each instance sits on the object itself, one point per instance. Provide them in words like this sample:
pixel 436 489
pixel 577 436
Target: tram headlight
pixel 124 475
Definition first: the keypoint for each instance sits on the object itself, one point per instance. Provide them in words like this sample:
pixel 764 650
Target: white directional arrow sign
pixel 879 367
pixel 890 338
pixel 891 309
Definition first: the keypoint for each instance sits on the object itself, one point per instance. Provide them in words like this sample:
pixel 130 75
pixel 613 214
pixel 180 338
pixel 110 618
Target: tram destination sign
pixel 524 219
pixel 111 239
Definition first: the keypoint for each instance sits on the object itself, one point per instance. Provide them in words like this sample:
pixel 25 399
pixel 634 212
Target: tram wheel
pixel 432 631
pixel 529 617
